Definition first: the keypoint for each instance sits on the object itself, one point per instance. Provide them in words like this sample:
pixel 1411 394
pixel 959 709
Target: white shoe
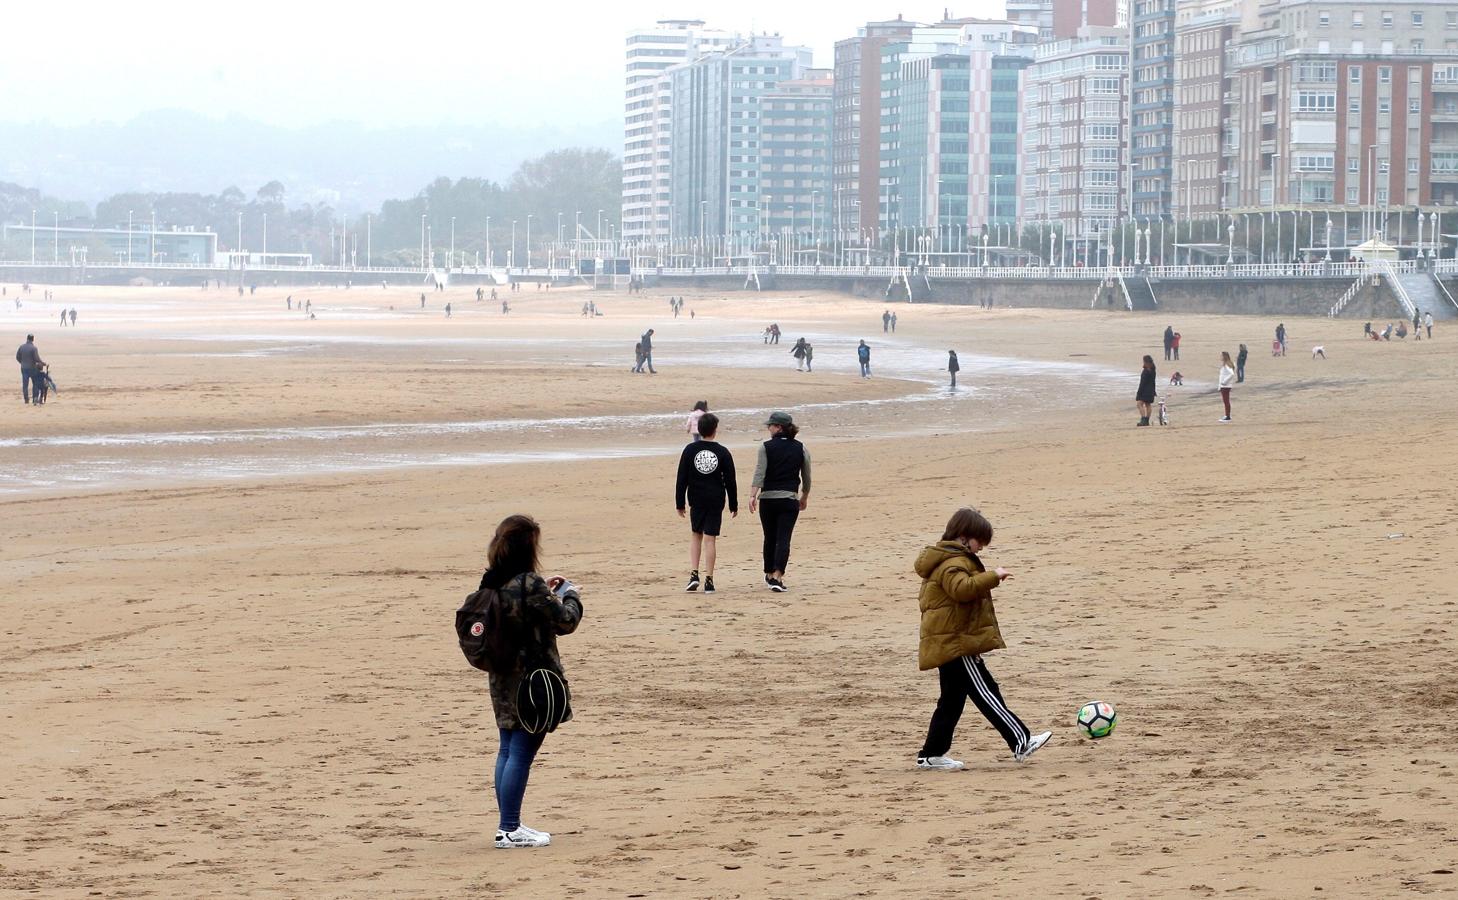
pixel 522 837
pixel 1034 742
pixel 535 832
pixel 945 763
pixel 1225 418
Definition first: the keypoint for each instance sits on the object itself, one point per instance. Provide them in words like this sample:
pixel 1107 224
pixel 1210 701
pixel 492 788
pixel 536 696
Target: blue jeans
pixel 29 378
pixel 513 767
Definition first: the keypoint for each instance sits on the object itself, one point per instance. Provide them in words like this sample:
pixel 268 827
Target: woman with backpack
pixel 516 615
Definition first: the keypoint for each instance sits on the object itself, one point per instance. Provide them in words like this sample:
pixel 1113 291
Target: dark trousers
pixel 1167 350
pixel 513 767
pixel 1239 370
pixel 27 379
pixel 963 677
pixel 777 518
pixel 1225 397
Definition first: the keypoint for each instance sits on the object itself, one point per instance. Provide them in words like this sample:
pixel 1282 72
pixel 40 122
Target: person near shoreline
pixel 63 318
pixel 1240 359
pixel 885 321
pixel 532 612
pixel 637 358
pixel 705 481
pixel 798 351
pixel 1144 398
pixel 1227 381
pixel 701 407
pixel 448 310
pixel 1174 345
pixel 1168 342
pixel 73 317
pixel 893 323
pixel 958 627
pixel 863 355
pixel 781 470
pixel 953 366
pixel 647 344
pixel 809 357
pixel 28 355
pixel 1281 338
pixel 774 333
pixel 1427 320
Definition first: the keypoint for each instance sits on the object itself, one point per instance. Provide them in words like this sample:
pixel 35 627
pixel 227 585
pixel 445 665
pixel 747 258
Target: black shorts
pixel 706 519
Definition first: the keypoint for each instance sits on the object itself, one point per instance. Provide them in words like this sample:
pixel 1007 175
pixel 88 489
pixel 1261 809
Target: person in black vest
pixel 783 468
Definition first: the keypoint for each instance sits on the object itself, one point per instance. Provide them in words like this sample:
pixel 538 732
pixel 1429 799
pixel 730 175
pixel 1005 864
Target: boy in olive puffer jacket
pixel 958 625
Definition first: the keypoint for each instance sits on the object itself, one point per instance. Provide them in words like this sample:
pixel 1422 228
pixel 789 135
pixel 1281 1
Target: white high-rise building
pixel 648 119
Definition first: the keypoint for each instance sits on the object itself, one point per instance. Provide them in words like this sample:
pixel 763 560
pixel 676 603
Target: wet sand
pixel 248 686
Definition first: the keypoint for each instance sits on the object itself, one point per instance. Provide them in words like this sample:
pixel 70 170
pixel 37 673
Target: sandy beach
pixel 234 544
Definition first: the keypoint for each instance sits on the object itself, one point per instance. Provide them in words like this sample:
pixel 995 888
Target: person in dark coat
pixel 1244 353
pixel 1168 341
pixel 534 612
pixel 1144 399
pixel 953 366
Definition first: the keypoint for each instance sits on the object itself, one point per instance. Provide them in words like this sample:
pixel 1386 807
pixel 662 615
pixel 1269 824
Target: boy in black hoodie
pixel 705 478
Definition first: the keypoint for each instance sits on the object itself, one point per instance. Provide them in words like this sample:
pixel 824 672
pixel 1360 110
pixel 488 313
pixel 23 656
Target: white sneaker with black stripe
pixel 1032 746
pixel 693 582
pixel 521 837
pixel 944 763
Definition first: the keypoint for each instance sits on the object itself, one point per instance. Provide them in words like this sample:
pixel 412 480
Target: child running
pixel 958 626
pixel 705 478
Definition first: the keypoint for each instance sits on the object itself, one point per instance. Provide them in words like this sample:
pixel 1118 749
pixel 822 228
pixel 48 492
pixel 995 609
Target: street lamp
pixel 240 231
pixel 489 260
pixel 528 246
pixel 56 237
pixel 265 234
pixel 422 242
pixel 129 237
pixel 1230 243
pixel 511 254
pixel 451 260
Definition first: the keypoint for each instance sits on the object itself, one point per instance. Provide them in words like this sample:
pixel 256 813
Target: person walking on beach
pixel 782 468
pixel 648 352
pixel 527 615
pixel 885 321
pixel 28 355
pixel 774 332
pixel 893 323
pixel 863 354
pixel 798 351
pixel 953 366
pixel 1144 399
pixel 1240 363
pixel 63 318
pixel 809 357
pixel 705 480
pixel 422 301
pixel 958 627
pixel 1280 338
pixel 1428 321
pixel 637 357
pixel 73 317
pixel 1175 345
pixel 1168 342
pixel 1227 381
pixel 692 425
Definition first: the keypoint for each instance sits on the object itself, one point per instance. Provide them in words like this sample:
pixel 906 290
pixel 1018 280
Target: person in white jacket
pixel 1227 381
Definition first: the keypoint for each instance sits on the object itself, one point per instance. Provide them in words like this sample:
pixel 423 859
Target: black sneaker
pixel 777 586
pixel 768 581
pixel 693 584
pixel 709 584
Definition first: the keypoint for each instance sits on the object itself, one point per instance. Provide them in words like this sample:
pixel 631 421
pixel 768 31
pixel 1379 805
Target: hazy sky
pixel 302 62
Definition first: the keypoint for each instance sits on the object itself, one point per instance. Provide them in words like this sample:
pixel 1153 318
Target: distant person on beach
pixel 774 333
pixel 73 317
pixel 1144 398
pixel 1174 345
pixel 959 627
pixel 798 351
pixel 28 355
pixel 1367 329
pixel 1227 381
pixel 528 615
pixel 505 307
pixel 1402 330
pixel 647 343
pixel 692 425
pixel 863 355
pixel 1240 363
pixel 422 301
pixel 886 321
pixel 289 300
pixel 809 357
pixel 1387 332
pixel 63 318
pixel 1427 320
pixel 1168 342
pixel 782 469
pixel 893 323
pixel 448 310
pixel 705 480
pixel 1281 337
pixel 637 357
pixel 953 366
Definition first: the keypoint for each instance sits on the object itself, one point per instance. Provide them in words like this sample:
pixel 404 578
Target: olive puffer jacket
pixel 957 618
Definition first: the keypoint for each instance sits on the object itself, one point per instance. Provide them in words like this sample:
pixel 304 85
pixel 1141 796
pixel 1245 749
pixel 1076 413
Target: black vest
pixel 784 457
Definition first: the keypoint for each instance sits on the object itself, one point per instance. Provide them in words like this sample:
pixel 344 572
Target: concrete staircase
pixel 1139 293
pixel 1424 293
pixel 1447 306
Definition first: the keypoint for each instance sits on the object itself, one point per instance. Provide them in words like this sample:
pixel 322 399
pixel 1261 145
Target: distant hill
pixel 349 165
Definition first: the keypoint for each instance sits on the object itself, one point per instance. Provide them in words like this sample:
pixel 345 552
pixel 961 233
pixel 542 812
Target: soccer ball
pixel 1096 719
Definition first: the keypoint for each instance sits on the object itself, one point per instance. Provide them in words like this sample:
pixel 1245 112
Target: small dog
pixel 1176 379
pixel 1163 413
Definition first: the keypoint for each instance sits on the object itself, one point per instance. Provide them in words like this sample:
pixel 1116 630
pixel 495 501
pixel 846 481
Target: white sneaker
pixel 534 831
pixel 522 837
pixel 945 763
pixel 1034 742
pixel 1225 418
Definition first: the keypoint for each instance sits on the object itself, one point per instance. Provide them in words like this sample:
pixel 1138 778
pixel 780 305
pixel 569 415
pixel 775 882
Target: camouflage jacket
pixel 541 615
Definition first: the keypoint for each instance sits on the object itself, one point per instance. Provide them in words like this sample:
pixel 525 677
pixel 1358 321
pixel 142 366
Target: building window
pixel 1382 196
pixel 1384 74
pixel 1354 74
pixel 1352 196
pixel 1354 104
pixel 1417 45
pixel 1452 20
pixel 1412 165
pixel 1357 19
pixel 1316 101
pixel 1323 18
pixel 1386 20
pixel 1382 166
pixel 1417 18
pixel 1315 162
pixel 1384 105
pixel 1414 105
pixel 1354 165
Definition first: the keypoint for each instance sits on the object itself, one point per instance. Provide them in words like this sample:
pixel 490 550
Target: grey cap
pixel 779 418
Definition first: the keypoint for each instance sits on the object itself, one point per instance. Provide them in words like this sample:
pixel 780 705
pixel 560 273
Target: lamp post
pixel 815 222
pixel 511 254
pixel 1437 238
pixel 1328 237
pixel 528 247
pixel 703 231
pixel 422 242
pixel 129 237
pixel 240 231
pixel 265 234
pixel 152 240
pixel 451 260
pixel 489 260
pixel 1230 243
pixel 369 240
pixel 56 236
pixel 1372 189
